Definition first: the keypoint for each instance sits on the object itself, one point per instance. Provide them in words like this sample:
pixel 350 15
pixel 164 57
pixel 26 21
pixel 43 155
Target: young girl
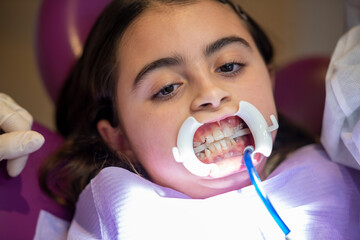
pixel 148 66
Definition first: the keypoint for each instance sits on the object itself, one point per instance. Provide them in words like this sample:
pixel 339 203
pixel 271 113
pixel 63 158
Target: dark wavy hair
pixel 89 95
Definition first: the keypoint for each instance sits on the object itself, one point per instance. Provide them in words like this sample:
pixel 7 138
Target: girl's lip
pixel 223 171
pixel 232 181
pixel 222 117
pixel 231 166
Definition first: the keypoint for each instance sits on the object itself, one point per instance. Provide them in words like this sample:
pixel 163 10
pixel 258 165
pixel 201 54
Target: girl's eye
pixel 167 91
pixel 230 68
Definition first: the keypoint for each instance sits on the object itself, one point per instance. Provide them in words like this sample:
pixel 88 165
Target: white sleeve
pixel 341 122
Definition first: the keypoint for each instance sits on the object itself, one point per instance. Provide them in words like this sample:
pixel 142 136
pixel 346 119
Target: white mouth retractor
pixel 184 152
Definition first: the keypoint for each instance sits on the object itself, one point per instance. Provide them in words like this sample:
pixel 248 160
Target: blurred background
pixel 297 29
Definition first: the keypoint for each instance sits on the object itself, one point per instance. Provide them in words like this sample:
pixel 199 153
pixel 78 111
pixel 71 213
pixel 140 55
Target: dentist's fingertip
pixel 15 166
pixel 31 142
pixel 36 140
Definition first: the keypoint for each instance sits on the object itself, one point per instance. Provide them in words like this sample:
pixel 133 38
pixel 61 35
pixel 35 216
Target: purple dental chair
pixel 300 92
pixel 62 28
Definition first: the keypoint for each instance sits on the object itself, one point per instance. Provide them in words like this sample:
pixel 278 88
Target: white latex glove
pixel 17 141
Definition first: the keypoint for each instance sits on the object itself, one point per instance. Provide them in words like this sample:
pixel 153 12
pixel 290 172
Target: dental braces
pixel 184 151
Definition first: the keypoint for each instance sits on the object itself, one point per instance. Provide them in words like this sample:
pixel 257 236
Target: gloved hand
pixel 17 140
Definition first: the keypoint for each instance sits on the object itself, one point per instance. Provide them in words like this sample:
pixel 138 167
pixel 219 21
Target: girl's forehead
pixel 177 30
pixel 168 18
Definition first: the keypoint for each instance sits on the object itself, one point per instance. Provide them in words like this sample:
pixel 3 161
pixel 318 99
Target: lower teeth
pixel 221 144
pixel 234 150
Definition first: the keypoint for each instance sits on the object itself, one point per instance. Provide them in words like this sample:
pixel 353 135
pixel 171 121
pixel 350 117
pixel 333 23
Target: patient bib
pixel 315 197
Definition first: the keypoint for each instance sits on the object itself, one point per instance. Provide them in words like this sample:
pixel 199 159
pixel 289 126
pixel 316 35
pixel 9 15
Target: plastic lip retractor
pixel 255 180
pixel 259 128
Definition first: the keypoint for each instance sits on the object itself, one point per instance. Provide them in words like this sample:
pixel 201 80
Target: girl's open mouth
pixel 222 143
pixel 216 149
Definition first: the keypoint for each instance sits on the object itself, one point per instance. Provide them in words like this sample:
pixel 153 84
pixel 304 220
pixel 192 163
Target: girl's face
pixel 187 60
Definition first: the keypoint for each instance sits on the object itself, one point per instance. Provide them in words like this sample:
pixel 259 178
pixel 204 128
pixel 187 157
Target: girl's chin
pixel 231 175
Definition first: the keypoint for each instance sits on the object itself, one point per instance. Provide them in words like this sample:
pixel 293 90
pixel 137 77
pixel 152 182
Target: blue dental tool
pixel 255 180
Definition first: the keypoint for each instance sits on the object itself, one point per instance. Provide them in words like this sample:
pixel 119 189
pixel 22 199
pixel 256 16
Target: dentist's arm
pixel 17 140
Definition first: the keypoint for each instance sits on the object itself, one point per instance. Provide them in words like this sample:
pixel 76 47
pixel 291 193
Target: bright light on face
pixel 168 72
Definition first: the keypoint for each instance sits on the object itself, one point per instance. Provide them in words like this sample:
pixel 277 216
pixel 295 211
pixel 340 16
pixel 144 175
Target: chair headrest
pixel 300 92
pixel 61 31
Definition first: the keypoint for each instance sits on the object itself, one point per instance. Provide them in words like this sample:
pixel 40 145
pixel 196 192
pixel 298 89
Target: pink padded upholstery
pixel 61 31
pixel 300 92
pixel 21 198
pixel 62 28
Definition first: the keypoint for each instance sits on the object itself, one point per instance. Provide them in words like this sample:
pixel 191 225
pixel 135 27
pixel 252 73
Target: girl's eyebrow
pixel 162 62
pixel 222 42
pixel 177 60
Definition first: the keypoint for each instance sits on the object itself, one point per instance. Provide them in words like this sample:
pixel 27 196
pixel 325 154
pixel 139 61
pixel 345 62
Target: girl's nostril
pixel 224 99
pixel 204 105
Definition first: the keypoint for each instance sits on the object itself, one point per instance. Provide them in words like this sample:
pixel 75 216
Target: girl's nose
pixel 210 96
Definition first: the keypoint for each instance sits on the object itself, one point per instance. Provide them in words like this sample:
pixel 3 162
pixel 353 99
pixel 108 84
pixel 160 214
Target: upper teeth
pixel 210 139
pixel 217 142
pixel 228 132
pixel 218 134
